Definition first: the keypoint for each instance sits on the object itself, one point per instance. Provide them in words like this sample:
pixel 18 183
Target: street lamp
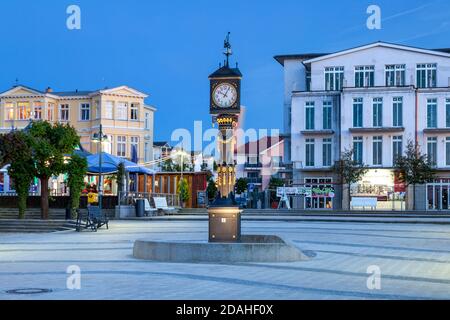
pixel 99 137
pixel 182 154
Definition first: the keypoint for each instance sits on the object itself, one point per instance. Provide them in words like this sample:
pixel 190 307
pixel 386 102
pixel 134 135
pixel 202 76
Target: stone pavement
pixel 414 260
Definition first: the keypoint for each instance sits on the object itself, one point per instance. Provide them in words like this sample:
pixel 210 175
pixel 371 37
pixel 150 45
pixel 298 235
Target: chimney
pixel 48 90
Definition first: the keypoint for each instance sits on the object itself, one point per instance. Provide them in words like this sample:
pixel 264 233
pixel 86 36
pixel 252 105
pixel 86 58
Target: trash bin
pixel 140 208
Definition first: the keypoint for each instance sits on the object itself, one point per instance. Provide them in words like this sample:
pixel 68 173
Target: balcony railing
pixel 254 180
pixel 253 165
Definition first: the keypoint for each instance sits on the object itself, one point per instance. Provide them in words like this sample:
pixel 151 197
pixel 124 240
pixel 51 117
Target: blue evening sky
pixel 168 48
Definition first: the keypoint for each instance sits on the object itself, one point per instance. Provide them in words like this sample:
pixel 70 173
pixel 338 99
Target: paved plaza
pixel 414 260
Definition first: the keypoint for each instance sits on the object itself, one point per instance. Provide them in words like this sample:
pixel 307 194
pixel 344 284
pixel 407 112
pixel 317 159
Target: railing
pixel 253 165
pixel 127 198
pixel 254 180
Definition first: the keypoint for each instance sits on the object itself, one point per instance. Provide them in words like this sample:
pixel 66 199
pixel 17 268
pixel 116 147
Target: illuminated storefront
pixel 321 195
pixel 384 185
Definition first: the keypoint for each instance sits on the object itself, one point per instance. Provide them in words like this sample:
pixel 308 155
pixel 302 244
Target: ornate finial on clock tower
pixel 227 47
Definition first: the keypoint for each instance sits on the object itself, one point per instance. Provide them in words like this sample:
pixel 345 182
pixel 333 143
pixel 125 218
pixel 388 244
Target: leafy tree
pixel 183 190
pixel 76 170
pixel 241 185
pixel 349 170
pixel 168 166
pixel 414 168
pixel 275 183
pixel 49 143
pixel 15 151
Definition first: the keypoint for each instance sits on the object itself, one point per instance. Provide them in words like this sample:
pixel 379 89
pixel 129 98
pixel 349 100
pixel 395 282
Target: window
pixel 9 111
pixel 447 151
pixel 397 112
pixel 395 75
pixel 50 111
pixel 85 112
pixel 64 112
pixel 377 151
pixel 134 144
pixel 23 110
pixel 326 152
pixel 97 109
pixel 146 152
pixel 309 153
pixel 432 150
pixel 122 111
pixel 431 113
pixel 397 148
pixel 447 113
pixel 358 149
pixel 309 109
pixel 426 75
pixel 108 146
pixel 121 146
pixel 327 116
pixel 378 112
pixel 109 107
pixel 334 78
pixel 364 76
pixel 134 111
pixel 357 112
pixel 37 109
pixel 147 121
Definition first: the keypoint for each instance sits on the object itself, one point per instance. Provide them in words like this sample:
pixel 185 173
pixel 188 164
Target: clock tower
pixel 225 107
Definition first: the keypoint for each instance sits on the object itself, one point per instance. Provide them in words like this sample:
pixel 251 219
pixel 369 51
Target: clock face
pixel 225 95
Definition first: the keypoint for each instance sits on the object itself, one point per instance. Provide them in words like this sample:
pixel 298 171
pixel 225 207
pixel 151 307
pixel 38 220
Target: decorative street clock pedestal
pixel 225 107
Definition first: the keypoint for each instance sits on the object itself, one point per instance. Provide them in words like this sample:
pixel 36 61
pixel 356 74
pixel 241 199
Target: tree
pixel 274 183
pixel 349 170
pixel 15 151
pixel 183 190
pixel 49 143
pixel 76 170
pixel 241 185
pixel 120 176
pixel 414 168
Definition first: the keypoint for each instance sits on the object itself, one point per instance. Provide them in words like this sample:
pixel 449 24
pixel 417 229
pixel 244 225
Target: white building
pixel 371 99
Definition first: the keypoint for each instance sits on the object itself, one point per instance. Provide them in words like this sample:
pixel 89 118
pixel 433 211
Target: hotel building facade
pixel 372 99
pixel 126 120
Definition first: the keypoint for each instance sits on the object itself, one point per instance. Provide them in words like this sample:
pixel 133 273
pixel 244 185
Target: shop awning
pixel 110 164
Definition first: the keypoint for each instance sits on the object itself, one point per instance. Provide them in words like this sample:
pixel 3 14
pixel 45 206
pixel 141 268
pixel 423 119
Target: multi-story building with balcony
pixel 125 118
pixel 260 160
pixel 372 99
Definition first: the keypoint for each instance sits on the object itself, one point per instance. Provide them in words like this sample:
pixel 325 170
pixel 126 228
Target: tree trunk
pixel 44 198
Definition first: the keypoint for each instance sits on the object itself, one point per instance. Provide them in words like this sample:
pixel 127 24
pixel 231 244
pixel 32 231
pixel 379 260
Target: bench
pixel 148 208
pixel 364 202
pixel 161 204
pixel 95 219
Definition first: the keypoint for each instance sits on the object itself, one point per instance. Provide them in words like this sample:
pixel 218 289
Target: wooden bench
pixel 161 204
pixel 364 202
pixel 95 219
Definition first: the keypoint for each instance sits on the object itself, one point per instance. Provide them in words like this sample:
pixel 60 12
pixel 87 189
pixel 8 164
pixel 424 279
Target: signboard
pixel 318 192
pixel 201 198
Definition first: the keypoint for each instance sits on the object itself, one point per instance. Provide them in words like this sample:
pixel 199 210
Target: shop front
pixel 382 186
pixel 437 195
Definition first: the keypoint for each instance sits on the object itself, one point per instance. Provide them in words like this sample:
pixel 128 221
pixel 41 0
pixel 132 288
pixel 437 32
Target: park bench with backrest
pixel 95 219
pixel 161 205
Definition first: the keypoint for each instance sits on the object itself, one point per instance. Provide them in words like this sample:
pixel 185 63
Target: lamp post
pixel 100 137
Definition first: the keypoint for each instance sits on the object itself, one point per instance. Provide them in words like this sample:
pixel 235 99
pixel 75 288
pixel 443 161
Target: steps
pixel 32 214
pixel 35 226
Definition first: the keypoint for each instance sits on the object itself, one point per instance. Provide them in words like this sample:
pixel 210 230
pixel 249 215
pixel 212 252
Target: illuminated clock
pixel 225 95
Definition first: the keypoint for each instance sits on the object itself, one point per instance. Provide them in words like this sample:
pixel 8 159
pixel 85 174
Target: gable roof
pixel 259 146
pixel 438 52
pixel 19 87
pixel 304 56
